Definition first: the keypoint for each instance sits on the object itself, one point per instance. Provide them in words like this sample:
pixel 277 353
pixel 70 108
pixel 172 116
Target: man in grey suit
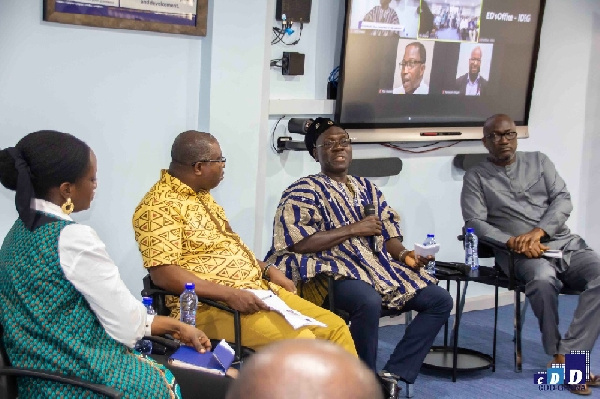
pixel 517 201
pixel 472 83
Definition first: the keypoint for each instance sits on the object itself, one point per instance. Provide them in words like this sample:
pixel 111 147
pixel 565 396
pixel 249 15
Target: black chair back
pixel 158 296
pixel 8 383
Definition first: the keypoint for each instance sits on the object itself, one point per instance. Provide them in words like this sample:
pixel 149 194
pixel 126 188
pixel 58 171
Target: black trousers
pixel 363 304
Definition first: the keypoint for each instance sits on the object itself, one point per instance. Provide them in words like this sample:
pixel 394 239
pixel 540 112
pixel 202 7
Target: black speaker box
pixel 375 167
pixel 294 10
pixel 292 63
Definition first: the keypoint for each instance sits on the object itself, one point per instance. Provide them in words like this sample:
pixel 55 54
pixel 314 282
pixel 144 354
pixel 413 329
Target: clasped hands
pixel 529 243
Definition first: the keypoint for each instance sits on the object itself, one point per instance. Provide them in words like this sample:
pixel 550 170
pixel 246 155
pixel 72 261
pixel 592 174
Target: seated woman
pixel 320 228
pixel 63 304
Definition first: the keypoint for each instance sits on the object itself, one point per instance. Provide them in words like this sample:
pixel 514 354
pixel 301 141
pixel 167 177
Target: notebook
pixel 216 362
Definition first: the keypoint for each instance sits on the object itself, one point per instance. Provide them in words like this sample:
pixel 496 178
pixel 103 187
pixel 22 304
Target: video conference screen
pixel 437 62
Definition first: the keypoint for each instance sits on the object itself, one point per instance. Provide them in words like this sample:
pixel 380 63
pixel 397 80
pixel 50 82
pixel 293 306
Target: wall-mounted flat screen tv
pixel 419 67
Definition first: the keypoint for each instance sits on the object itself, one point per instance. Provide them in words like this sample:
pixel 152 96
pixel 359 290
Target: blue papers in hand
pixel 216 362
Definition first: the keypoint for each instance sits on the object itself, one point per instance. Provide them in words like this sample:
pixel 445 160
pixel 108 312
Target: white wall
pixel 589 215
pixel 564 114
pixel 129 93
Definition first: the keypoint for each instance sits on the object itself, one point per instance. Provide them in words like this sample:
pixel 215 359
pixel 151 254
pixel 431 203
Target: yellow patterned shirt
pixel 174 225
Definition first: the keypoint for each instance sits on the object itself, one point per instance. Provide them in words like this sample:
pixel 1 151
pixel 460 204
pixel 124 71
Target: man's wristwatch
pixel 265 271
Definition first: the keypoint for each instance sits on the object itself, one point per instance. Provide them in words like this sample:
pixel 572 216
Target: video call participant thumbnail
pixel 382 13
pixel 472 83
pixel 412 70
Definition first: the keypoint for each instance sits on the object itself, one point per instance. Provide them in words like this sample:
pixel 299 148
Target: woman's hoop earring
pixel 67 207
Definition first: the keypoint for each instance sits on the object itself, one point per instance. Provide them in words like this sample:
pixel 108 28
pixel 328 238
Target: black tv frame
pixel 403 132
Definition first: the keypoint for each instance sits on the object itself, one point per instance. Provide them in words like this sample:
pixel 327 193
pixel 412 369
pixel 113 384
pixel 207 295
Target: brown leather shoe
pixel 557 359
pixel 593 381
pixel 581 389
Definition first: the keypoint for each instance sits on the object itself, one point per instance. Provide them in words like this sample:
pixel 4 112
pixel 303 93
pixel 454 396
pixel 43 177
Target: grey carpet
pixel 476 331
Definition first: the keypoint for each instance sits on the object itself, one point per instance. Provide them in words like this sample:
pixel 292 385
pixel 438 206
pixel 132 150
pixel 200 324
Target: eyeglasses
pixel 496 137
pixel 220 159
pixel 475 60
pixel 410 64
pixel 330 144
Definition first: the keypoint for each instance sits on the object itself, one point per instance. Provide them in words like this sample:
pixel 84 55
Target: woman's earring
pixel 67 207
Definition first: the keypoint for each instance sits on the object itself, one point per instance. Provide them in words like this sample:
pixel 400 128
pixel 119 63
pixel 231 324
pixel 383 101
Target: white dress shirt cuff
pixel 148 326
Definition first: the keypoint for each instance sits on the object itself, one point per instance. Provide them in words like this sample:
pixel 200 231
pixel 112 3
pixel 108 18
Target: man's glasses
pixel 475 60
pixel 496 137
pixel 330 144
pixel 220 159
pixel 410 64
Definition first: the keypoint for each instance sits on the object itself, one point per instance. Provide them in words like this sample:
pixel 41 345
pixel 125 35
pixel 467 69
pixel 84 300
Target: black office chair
pixel 511 283
pixel 158 302
pixel 9 375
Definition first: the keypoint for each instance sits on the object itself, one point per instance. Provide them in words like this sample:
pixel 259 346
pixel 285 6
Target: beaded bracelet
pixel 402 254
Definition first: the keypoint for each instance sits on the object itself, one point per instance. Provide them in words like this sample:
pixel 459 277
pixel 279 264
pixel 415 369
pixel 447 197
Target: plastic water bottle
pixel 430 240
pixel 188 304
pixel 144 346
pixel 471 256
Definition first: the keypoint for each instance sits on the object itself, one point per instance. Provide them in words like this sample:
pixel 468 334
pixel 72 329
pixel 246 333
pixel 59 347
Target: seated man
pixel 382 13
pixel 515 201
pixel 320 229
pixel 184 236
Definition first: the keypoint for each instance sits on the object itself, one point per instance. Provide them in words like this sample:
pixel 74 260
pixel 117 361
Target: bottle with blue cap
pixel 144 346
pixel 188 304
pixel 471 255
pixel 430 240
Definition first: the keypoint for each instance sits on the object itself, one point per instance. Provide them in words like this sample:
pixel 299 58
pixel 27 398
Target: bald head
pixel 190 146
pixel 304 369
pixel 490 123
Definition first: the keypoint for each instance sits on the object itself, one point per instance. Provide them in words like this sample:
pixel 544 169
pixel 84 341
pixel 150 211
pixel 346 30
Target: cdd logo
pixel 577 367
pixel 556 376
pixel 575 371
pixel 539 378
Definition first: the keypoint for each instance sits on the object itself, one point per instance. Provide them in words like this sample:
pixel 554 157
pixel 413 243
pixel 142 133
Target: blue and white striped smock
pixel 317 203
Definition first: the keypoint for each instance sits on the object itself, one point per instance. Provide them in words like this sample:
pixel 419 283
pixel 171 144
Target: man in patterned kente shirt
pixel 184 236
pixel 320 228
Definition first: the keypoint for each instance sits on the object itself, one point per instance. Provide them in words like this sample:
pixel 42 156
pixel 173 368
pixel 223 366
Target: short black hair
pixel 422 52
pixel 490 123
pixel 191 146
pixel 53 158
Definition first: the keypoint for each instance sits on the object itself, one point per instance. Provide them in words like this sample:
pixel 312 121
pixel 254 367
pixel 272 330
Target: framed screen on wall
pixel 410 65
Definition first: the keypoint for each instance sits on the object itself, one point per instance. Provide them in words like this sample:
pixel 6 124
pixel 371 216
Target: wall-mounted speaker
pixel 375 167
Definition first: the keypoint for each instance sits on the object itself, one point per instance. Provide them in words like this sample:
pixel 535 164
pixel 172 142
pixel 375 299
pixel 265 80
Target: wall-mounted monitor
pixel 411 69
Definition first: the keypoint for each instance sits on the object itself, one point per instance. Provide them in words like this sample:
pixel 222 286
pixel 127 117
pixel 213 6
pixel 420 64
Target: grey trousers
pixel 544 278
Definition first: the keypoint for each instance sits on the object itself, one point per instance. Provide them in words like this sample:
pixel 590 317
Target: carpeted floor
pixel 476 331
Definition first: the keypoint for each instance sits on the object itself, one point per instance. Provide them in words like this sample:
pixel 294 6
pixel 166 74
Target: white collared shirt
pixel 472 88
pixel 422 89
pixel 92 272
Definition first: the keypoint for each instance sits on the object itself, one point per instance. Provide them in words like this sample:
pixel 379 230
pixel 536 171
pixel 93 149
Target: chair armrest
pixel 237 323
pixel 151 290
pixel 164 341
pixel 58 377
pixel 330 296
